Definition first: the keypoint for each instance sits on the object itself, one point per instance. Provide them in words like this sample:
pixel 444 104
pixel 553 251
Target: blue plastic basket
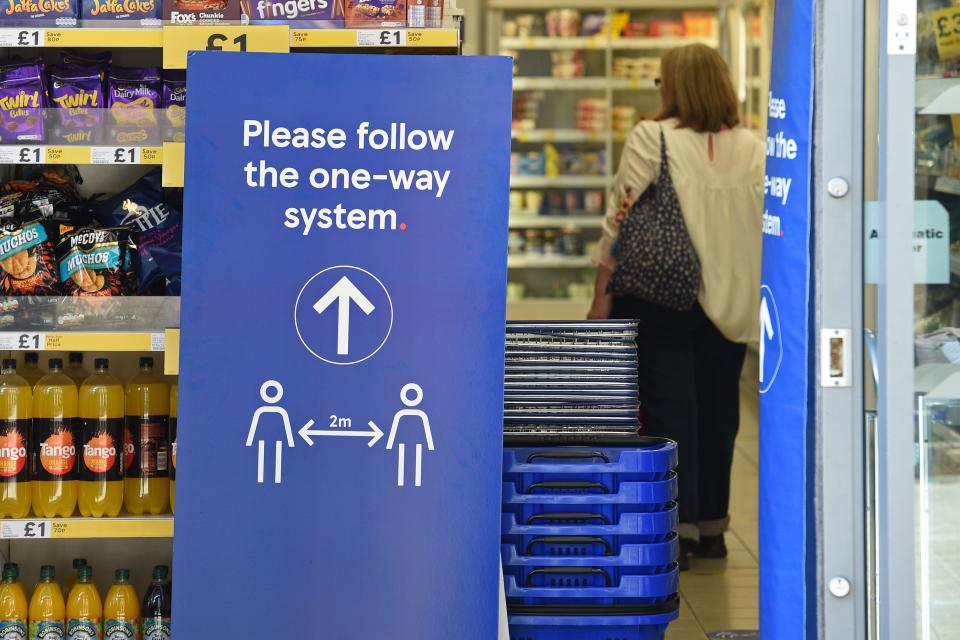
pixel 606 465
pixel 629 528
pixel 590 585
pixel 591 627
pixel 581 546
pixel 535 503
pixel 632 559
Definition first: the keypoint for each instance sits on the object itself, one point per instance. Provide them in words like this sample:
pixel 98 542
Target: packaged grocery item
pixel 173 101
pixel 144 11
pixel 146 476
pixel 94 262
pixel 13 604
pixel 27 258
pixel 84 608
pixel 101 469
pixel 121 609
pixel 26 12
pixel 133 96
pixel 434 14
pixel 47 610
pixel 55 405
pixel 417 13
pixel 22 99
pixel 173 445
pixel 156 620
pixel 102 60
pixel 316 14
pixel 376 13
pixel 156 226
pixel 15 408
pixel 76 92
pixel 201 11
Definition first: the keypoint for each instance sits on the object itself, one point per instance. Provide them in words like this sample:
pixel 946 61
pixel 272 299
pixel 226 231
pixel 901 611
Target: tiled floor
pixel 720 595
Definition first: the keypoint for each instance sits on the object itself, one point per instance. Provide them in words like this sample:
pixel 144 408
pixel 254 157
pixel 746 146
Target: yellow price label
pixel 946 29
pixel 179 40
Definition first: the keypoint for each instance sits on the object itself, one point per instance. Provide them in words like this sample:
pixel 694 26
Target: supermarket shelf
pixel 55 154
pixel 601 42
pixel 555 222
pixel 363 38
pixel 62 528
pixel 549 262
pixel 558 182
pixel 559 135
pixel 581 84
pixel 74 37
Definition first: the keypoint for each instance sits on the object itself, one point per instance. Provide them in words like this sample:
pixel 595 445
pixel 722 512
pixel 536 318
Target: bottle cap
pixel 85 573
pixel 9 364
pixel 9 574
pixel 48 572
pixel 76 357
pixel 146 362
pixel 12 566
pixel 122 575
pixel 101 363
pixel 79 562
pixel 31 357
pixel 55 363
pixel 160 572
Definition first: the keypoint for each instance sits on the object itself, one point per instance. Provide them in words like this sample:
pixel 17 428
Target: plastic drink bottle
pixel 31 368
pixel 101 435
pixel 75 370
pixel 46 608
pixel 156 606
pixel 13 605
pixel 55 444
pixel 146 485
pixel 173 444
pixel 121 610
pixel 15 408
pixel 72 577
pixel 84 609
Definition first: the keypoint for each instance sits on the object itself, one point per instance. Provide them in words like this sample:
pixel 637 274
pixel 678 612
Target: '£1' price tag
pixel 946 29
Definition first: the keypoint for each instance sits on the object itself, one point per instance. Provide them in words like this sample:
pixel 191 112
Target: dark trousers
pixel 689 377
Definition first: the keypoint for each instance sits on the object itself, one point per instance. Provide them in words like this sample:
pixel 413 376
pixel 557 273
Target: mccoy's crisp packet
pixel 94 262
pixel 27 263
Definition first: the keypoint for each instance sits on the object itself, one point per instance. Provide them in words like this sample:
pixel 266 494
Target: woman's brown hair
pixel 696 89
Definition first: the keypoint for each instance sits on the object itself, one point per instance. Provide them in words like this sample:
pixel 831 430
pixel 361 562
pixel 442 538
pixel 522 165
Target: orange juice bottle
pixel 15 407
pixel 72 577
pixel 146 485
pixel 55 444
pixel 31 368
pixel 75 370
pixel 84 609
pixel 46 607
pixel 13 605
pixel 101 435
pixel 121 610
pixel 173 444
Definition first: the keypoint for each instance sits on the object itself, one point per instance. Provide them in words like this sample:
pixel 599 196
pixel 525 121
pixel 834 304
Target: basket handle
pixel 608 549
pixel 569 455
pixel 567 571
pixel 568 484
pixel 569 516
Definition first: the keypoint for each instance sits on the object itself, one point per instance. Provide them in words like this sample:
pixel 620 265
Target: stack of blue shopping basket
pixel 588 537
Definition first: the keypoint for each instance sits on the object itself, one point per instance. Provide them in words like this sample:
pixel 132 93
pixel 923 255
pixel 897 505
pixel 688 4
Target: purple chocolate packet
pixel 101 60
pixel 174 102
pixel 76 92
pixel 22 99
pixel 133 94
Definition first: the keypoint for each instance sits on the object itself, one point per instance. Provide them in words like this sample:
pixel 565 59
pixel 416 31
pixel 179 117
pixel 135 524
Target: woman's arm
pixel 602 301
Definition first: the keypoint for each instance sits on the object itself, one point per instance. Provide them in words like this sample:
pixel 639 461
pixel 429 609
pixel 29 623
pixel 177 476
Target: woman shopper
pixel 690 354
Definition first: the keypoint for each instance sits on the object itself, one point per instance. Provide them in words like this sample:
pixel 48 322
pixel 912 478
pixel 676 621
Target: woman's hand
pixel 602 305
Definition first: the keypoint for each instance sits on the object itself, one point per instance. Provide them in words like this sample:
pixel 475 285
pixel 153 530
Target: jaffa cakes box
pixel 376 13
pixel 315 14
pixel 146 12
pixel 201 11
pixel 64 12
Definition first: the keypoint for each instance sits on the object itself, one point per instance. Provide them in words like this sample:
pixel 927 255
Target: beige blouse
pixel 719 182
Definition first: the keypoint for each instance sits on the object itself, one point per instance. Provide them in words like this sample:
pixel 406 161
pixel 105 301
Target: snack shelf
pixel 602 42
pixel 559 135
pixel 69 154
pixel 76 528
pixel 553 222
pixel 581 84
pixel 82 37
pixel 558 182
pixel 549 262
pixel 363 38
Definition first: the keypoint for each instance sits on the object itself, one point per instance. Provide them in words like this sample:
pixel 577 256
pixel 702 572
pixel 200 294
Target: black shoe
pixel 687 548
pixel 712 547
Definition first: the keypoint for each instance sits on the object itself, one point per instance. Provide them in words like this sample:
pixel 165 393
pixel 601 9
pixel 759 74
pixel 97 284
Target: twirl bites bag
pixel 94 262
pixel 22 99
pixel 76 91
pixel 27 263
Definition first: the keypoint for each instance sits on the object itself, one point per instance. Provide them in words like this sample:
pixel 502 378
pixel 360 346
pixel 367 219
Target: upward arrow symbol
pixel 343 292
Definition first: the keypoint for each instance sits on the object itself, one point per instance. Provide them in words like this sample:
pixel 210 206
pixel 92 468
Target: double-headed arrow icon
pixel 343 293
pixel 374 434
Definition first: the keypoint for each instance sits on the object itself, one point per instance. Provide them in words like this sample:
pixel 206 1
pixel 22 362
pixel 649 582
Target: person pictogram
pixel 271 392
pixel 411 395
